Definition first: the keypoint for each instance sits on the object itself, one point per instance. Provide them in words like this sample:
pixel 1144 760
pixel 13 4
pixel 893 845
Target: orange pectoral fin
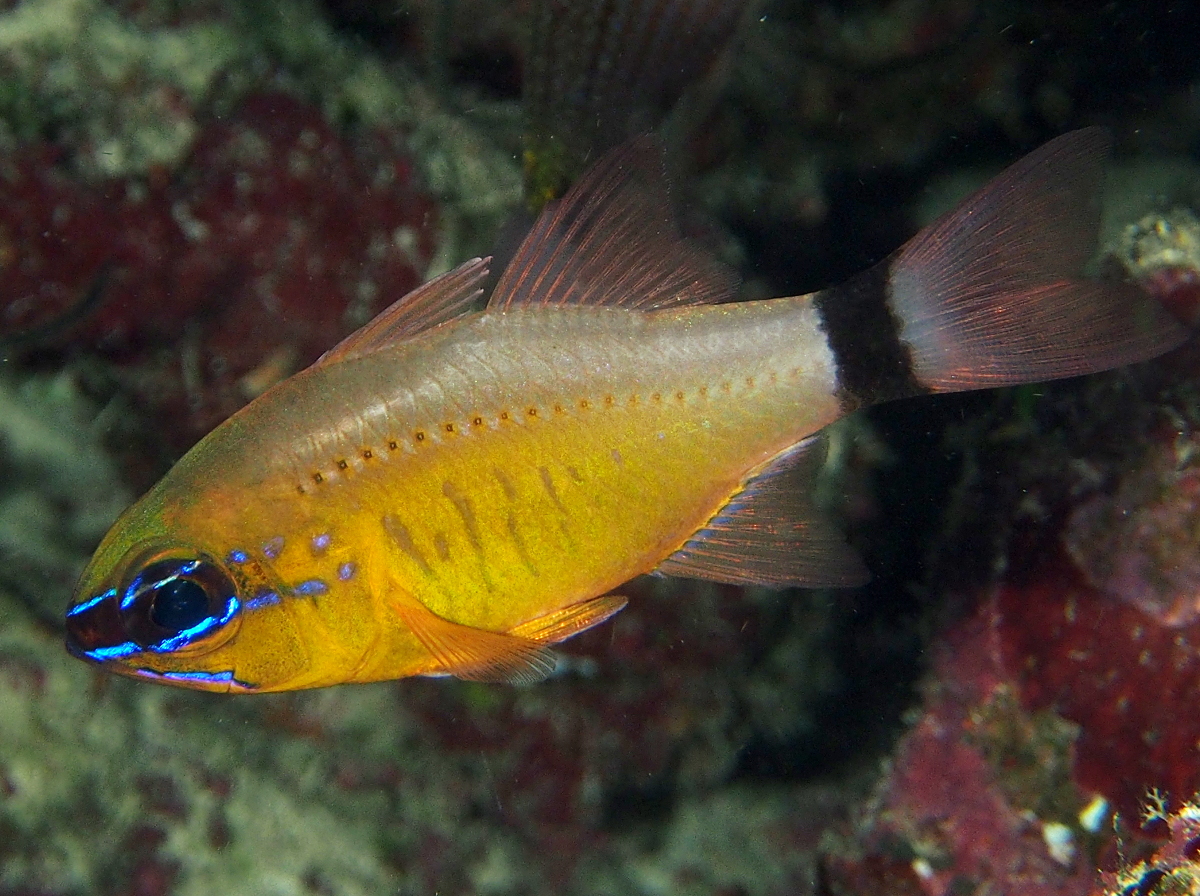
pixel 474 654
pixel 570 621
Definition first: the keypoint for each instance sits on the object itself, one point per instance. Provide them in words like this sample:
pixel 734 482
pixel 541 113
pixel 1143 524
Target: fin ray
pixel 771 534
pixel 596 73
pixel 475 654
pixel 439 300
pixel 570 621
pixel 992 293
pixel 612 241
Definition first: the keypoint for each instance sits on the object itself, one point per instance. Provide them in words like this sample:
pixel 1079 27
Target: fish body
pixel 448 492
pixel 502 467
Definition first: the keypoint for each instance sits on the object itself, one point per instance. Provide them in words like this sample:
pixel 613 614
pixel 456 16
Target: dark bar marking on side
pixel 399 534
pixel 873 364
pixel 515 533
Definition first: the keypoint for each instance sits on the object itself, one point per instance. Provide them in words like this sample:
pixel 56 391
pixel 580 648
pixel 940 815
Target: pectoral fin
pixel 475 654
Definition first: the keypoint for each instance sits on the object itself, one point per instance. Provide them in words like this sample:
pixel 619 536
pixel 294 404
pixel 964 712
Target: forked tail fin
pixel 992 294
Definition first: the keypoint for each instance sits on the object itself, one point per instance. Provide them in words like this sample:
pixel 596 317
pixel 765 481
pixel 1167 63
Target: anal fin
pixel 475 654
pixel 570 621
pixel 770 533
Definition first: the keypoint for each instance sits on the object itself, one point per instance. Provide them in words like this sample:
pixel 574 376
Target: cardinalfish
pixel 450 491
pixel 597 73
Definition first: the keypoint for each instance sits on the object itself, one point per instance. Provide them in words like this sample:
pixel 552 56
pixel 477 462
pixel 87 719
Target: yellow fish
pixel 449 491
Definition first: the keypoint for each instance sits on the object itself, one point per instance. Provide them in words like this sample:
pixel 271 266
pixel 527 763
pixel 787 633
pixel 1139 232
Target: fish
pixel 452 491
pixel 598 73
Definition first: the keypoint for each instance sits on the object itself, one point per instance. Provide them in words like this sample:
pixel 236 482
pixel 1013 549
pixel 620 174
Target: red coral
pixel 971 790
pixel 1130 682
pixel 1140 544
pixel 975 782
pixel 1174 868
pixel 276 239
pixel 147 872
pixel 1178 288
pixel 295 240
pixel 58 237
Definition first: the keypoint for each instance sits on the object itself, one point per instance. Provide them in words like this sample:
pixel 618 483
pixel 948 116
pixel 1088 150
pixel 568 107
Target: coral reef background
pixel 197 198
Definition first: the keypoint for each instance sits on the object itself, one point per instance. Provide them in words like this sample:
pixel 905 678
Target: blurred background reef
pixel 198 198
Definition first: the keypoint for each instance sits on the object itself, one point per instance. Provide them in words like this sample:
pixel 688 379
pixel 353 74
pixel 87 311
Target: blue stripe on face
pixel 88 604
pixel 310 588
pixel 214 677
pixel 223 677
pixel 134 591
pixel 203 627
pixel 103 654
pixel 262 599
pixel 131 593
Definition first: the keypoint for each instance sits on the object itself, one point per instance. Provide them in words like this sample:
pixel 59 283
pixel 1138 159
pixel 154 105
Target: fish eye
pixel 171 602
pixel 179 604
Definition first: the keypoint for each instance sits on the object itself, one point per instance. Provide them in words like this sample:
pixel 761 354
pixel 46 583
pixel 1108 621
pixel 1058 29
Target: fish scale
pixel 448 491
pixel 631 425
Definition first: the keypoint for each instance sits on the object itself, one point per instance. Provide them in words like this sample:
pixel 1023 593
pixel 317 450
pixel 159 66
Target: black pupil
pixel 179 604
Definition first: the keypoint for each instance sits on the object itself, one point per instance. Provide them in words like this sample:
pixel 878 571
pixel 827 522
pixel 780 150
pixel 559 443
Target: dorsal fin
pixel 441 299
pixel 596 73
pixel 771 534
pixel 612 240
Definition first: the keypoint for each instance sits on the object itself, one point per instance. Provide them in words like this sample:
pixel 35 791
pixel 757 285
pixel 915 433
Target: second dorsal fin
pixel 441 299
pixel 612 240
pixel 770 533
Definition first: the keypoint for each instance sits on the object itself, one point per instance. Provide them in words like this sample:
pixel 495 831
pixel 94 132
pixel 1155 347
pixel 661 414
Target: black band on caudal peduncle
pixel 873 364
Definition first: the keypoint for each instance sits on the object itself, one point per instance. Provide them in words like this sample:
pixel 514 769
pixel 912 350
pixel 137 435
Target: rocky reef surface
pixel 197 199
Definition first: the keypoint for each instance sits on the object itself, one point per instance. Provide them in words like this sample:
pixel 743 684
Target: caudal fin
pixel 992 294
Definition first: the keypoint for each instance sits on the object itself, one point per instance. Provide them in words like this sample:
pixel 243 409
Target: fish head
pixel 172 609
